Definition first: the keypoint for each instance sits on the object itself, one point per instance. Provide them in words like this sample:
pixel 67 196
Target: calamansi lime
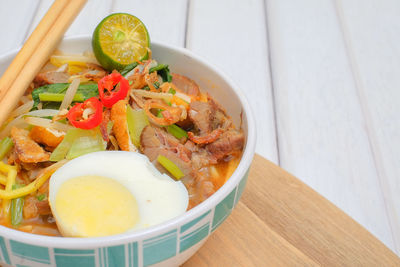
pixel 119 40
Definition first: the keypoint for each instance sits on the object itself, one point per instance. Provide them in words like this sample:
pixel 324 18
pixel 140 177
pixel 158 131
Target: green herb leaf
pixel 163 71
pixel 128 68
pixel 172 91
pixel 86 90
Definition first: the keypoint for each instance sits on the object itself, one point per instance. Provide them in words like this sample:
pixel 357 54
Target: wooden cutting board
pixel 280 221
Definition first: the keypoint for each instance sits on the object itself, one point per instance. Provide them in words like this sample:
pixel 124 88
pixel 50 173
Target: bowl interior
pixel 210 80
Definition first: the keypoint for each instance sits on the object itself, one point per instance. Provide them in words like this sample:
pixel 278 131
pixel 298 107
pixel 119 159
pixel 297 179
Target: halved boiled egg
pixel 111 192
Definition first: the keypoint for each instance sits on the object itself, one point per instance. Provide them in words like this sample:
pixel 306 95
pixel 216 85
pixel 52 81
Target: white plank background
pixel 322 76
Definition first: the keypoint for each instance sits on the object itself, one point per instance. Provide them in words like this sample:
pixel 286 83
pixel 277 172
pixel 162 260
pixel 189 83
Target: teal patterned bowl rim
pixel 210 203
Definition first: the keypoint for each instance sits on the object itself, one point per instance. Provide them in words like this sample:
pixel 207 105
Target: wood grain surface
pixel 280 221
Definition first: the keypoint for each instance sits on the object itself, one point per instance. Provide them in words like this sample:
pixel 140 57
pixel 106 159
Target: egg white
pixel 158 196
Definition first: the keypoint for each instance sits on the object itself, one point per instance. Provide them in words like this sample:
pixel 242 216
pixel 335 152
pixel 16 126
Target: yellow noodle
pixel 3 179
pixel 33 186
pixel 12 174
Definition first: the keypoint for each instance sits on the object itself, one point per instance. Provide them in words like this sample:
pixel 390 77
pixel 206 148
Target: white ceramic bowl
pixel 167 244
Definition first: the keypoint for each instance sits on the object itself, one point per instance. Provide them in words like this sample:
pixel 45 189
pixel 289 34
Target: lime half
pixel 119 40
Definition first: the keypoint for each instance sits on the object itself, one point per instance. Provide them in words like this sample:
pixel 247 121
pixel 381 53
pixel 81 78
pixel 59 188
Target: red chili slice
pixel 112 88
pixel 75 114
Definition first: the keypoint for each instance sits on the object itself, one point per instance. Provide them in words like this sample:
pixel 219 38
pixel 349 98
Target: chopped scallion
pixel 41 197
pixel 170 166
pixel 137 120
pixel 172 91
pixel 177 131
pixel 5 146
pixel 17 205
pixel 54 97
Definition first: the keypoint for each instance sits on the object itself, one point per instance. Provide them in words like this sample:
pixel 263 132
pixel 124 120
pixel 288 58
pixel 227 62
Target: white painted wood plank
pixel 321 129
pixel 87 20
pixel 165 20
pixel 15 18
pixel 372 34
pixel 232 35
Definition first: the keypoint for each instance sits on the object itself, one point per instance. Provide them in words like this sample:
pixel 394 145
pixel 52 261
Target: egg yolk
pixel 89 206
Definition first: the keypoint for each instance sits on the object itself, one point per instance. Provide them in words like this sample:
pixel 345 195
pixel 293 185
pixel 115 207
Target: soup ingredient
pixel 92 205
pixel 17 205
pixel 120 126
pixel 20 122
pixel 136 120
pixel 123 185
pixel 78 142
pixel 73 61
pixel 46 136
pixel 185 85
pixel 119 40
pixel 112 88
pixel 54 97
pixel 177 131
pixel 47 123
pixel 163 71
pixel 11 172
pixel 5 146
pixel 87 141
pixel 30 188
pixel 27 150
pixel 170 166
pixel 170 114
pixel 86 90
pixel 86 115
pixel 70 93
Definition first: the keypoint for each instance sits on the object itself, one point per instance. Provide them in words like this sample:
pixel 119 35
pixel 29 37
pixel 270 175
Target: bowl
pixel 170 243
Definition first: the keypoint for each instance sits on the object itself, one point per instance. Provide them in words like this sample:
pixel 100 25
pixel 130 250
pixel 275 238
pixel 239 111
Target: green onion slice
pixel 54 97
pixel 170 166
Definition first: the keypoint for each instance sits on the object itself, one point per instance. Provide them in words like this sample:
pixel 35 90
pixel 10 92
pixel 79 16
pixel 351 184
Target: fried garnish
pixel 27 149
pixel 41 135
pixel 120 126
pixel 137 80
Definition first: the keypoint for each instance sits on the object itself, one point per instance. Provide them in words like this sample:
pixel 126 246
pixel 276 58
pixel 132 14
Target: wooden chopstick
pixel 38 58
pixel 31 45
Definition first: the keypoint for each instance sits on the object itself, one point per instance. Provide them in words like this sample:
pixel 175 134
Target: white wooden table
pixel 323 77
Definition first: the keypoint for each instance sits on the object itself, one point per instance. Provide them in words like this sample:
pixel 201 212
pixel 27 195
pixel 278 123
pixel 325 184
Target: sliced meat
pixel 27 150
pixel 201 115
pixel 229 142
pixel 51 77
pixel 94 72
pixel 120 126
pixel 33 207
pixel 220 118
pixel 202 158
pixel 30 210
pixel 185 84
pixel 45 136
pixel 43 207
pixel 155 141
